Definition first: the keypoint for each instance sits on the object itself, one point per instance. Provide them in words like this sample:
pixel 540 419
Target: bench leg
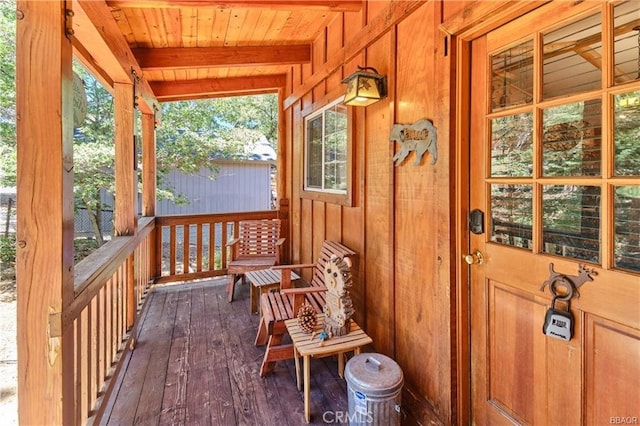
pixel 262 335
pixel 231 286
pixel 254 299
pixel 275 352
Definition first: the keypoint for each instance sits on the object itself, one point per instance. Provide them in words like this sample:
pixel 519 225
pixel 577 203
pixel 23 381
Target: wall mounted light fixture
pixel 365 88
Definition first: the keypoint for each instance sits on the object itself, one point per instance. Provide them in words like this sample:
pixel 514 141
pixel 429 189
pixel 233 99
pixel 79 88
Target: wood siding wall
pixel 400 220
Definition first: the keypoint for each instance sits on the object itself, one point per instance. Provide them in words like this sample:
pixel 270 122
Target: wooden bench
pixel 277 307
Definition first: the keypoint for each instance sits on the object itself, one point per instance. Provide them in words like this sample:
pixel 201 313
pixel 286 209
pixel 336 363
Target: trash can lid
pixel 373 374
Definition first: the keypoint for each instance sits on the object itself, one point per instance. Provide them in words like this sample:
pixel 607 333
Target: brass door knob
pixel 474 258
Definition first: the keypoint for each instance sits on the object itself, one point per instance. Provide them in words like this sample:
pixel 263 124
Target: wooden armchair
pixel 258 246
pixel 276 307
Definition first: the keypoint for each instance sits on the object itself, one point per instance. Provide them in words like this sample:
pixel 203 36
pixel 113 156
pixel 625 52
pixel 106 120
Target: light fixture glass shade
pixel 364 88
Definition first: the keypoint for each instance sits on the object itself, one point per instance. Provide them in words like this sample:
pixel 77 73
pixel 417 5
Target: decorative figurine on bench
pixel 338 309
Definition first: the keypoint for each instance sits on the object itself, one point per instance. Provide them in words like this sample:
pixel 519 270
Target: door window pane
pixel 571 221
pixel 627 41
pixel 512 145
pixel 626 134
pixel 627 228
pixel 511 214
pixel 573 58
pixel 571 139
pixel 512 77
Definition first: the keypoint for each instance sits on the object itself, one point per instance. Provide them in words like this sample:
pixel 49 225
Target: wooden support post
pixel 285 229
pixel 281 178
pixel 44 257
pixel 126 201
pixel 281 162
pixel 148 165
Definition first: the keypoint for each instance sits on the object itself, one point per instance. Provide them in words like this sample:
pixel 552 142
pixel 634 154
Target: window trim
pixel 324 195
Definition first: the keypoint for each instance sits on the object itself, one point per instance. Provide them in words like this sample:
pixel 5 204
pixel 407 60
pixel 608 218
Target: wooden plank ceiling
pixel 188 49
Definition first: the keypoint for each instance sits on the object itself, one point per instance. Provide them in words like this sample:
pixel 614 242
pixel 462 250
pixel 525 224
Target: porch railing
pixel 110 285
pixel 195 246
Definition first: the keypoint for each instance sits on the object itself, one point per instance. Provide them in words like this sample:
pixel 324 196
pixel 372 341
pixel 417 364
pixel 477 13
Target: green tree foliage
pixel 7 93
pixel 195 132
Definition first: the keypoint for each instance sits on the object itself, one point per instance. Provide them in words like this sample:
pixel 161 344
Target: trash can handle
pixel 373 364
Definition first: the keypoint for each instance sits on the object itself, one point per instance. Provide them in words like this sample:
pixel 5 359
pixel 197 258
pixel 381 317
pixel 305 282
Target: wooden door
pixel 555 168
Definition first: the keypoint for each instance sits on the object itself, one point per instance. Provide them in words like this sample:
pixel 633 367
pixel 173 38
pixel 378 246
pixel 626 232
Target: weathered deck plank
pixel 196 364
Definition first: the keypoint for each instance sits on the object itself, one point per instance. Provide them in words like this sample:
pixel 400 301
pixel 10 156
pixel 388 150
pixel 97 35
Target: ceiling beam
pixel 211 57
pixel 331 5
pixel 109 48
pixel 216 87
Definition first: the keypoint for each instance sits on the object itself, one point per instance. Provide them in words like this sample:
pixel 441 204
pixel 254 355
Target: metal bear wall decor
pixel 420 137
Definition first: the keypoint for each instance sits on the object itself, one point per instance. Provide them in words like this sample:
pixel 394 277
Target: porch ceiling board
pixel 207 57
pixel 219 87
pixel 180 40
pixel 332 5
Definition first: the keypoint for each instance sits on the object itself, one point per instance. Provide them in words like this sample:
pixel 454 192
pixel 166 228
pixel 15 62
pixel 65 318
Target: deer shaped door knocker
pixel 558 322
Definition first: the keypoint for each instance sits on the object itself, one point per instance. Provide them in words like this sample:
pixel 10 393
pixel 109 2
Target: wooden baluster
pixel 186 238
pixel 199 247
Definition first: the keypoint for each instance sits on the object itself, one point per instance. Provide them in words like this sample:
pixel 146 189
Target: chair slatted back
pixel 259 237
pixel 328 249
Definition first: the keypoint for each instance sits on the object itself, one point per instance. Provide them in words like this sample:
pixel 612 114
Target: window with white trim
pixel 326 150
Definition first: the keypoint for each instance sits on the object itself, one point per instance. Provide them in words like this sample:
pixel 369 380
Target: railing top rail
pixel 195 219
pixel 92 272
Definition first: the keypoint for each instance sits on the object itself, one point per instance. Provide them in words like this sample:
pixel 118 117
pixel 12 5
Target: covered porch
pixel 437 285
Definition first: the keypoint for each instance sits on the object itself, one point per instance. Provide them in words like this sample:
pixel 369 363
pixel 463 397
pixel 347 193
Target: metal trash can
pixel 374 384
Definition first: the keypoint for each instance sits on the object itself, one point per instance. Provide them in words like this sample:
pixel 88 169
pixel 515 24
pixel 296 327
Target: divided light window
pixel 565 140
pixel 326 149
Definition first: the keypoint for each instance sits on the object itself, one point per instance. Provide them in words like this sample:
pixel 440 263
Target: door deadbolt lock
pixel 476 258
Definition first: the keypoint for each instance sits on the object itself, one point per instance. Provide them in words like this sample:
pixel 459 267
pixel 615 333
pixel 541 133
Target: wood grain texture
pixel 44 253
pixel 220 383
pixel 148 165
pixel 209 57
pixel 333 5
pixel 126 183
pixel 421 192
pixel 375 28
pixel 209 88
pixel 96 18
pixel 379 202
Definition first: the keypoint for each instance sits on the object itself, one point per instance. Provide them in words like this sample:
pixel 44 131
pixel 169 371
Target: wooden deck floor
pixel 195 364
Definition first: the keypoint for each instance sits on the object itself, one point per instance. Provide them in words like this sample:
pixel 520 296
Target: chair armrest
pixel 285 273
pixel 298 266
pixel 279 245
pixel 233 241
pixel 301 290
pixel 298 295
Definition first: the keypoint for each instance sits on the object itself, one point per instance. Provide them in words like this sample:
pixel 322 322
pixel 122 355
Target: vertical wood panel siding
pixel 399 221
